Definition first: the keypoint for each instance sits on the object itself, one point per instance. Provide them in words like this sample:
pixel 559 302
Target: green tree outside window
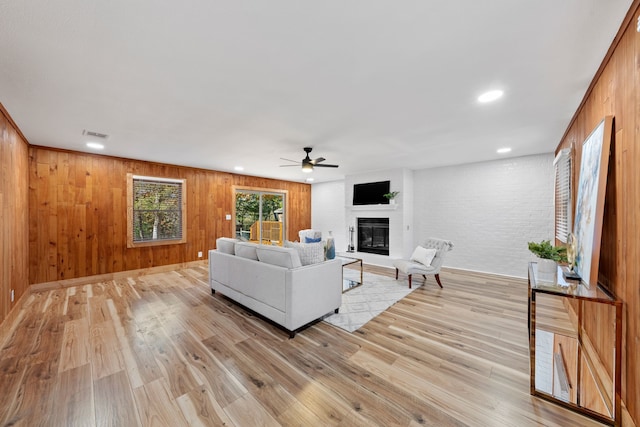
pixel 157 210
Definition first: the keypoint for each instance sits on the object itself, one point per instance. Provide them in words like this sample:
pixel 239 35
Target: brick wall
pixel 490 210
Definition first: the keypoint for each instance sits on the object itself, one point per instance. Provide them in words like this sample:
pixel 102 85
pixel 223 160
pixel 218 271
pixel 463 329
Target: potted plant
pixel 391 196
pixel 549 257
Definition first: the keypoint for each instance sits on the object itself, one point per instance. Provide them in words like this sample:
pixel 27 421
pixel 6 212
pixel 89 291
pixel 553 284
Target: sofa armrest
pixel 313 291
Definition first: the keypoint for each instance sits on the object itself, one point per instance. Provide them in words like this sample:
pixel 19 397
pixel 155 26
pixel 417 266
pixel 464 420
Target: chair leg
pixel 396 274
pixel 438 280
pixel 409 281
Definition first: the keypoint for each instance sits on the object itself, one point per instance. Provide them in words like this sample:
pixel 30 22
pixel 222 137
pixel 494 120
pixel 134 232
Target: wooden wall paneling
pixel 20 173
pixel 5 278
pixel 615 91
pixel 90 220
pixel 119 228
pixel 5 237
pixel 99 215
pixel 14 205
pixel 629 227
pixel 62 190
pixel 220 192
pixel 195 240
pixel 84 198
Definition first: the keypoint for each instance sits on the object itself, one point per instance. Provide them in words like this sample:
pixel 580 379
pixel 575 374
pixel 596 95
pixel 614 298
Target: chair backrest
pixel 312 234
pixel 442 247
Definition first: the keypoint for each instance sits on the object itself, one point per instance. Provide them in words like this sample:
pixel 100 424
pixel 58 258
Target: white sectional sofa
pixel 271 281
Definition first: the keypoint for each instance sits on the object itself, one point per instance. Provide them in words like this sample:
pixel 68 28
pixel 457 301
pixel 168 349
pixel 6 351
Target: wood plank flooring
pixel 160 350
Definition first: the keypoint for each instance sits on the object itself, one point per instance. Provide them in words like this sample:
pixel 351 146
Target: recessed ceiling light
pixel 238 168
pixel 95 145
pixel 309 179
pixel 503 150
pixel 490 96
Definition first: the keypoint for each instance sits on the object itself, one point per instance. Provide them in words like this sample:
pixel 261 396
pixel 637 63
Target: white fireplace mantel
pixel 373 207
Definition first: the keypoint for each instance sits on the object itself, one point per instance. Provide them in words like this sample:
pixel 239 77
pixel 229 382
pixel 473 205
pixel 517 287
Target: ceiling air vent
pixel 95 134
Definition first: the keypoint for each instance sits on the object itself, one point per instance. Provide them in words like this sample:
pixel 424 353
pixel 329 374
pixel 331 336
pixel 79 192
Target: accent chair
pixel 426 259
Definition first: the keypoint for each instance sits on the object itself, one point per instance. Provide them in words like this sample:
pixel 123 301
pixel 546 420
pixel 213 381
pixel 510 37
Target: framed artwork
pixel 592 184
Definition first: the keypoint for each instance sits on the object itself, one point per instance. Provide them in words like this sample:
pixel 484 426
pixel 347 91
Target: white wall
pixel 398 231
pixel 490 210
pixel 331 209
pixel 327 212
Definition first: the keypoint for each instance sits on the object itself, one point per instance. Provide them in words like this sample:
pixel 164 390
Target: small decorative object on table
pixel 572 249
pixel 549 256
pixel 331 247
pixel 391 196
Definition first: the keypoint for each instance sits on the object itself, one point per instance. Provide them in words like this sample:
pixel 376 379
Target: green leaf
pixel 546 250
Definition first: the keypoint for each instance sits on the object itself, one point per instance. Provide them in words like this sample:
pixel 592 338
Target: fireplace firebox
pixel 373 235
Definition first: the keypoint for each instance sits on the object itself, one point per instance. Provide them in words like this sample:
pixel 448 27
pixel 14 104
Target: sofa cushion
pixel 423 255
pixel 310 253
pixel 246 250
pixel 226 245
pixel 275 255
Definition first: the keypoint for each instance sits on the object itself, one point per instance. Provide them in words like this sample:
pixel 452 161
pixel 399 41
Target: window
pixel 562 167
pixel 156 211
pixel 260 215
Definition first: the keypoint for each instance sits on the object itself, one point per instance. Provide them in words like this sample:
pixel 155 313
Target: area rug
pixel 365 302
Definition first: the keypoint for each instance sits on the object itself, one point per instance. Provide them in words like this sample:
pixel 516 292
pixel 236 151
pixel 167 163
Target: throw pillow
pixel 310 253
pixel 423 255
pixel 314 234
pixel 312 240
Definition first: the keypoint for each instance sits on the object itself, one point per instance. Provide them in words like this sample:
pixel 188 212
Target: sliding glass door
pixel 260 216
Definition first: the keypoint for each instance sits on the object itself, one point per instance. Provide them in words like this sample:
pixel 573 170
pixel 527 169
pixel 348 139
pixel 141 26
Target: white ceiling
pixel 369 84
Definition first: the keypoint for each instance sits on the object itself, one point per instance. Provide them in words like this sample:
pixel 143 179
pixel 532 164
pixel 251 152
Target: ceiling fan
pixel 308 163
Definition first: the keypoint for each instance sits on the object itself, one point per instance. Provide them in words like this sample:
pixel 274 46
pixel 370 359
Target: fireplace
pixel 373 235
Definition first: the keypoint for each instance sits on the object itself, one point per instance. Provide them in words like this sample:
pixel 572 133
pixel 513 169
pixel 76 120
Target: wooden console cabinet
pixel 574 367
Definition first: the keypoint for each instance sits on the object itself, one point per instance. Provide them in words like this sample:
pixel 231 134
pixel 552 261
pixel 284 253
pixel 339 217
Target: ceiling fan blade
pixel 307 163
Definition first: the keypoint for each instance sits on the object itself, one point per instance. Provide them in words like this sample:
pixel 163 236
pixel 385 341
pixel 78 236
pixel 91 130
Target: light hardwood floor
pixel 161 350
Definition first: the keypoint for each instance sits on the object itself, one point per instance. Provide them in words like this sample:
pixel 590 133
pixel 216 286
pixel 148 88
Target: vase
pixel 547 270
pixel 331 248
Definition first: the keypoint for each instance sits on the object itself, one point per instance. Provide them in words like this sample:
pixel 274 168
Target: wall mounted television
pixel 371 193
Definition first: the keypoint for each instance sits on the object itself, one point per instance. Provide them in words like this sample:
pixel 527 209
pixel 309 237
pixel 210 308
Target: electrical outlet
pixel 13 295
pixel 200 254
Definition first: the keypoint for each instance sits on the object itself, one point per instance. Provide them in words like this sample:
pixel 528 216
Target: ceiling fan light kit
pixel 308 164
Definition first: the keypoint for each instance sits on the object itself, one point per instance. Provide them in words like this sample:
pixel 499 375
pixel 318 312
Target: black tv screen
pixel 371 193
